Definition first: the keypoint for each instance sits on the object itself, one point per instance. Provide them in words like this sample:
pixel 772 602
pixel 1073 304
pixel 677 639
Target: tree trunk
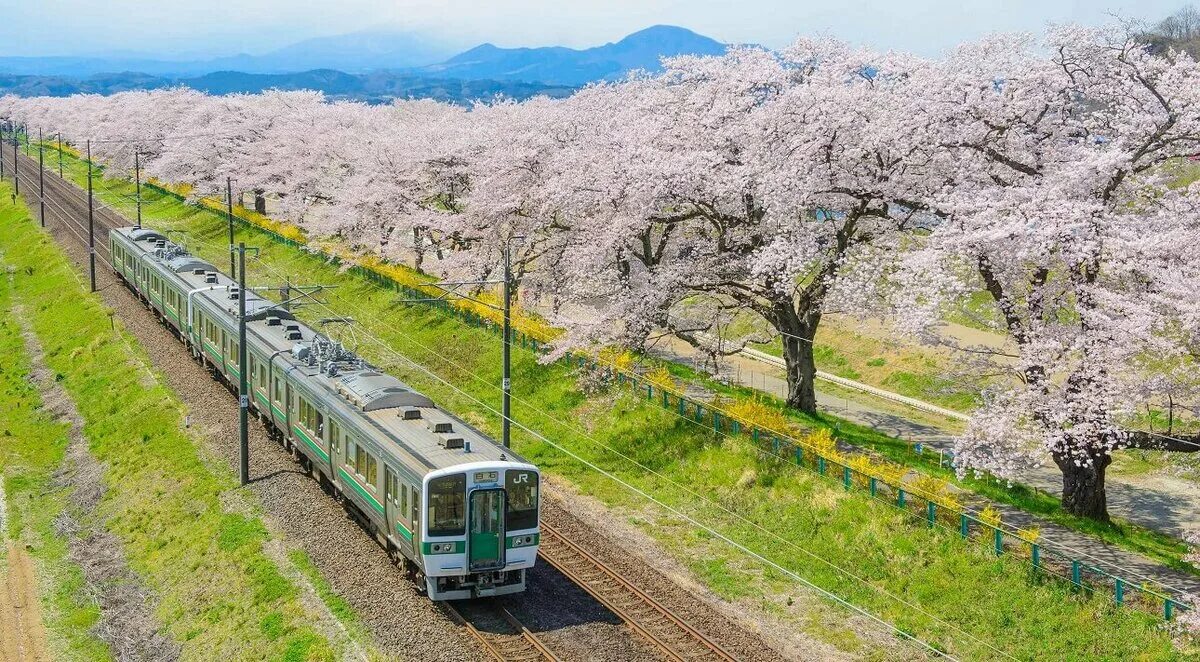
pixel 799 363
pixel 1083 487
pixel 260 202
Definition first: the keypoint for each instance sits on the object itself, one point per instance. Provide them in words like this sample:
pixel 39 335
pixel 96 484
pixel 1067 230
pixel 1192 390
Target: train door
pixel 485 539
pixel 291 410
pixel 391 502
pixel 415 505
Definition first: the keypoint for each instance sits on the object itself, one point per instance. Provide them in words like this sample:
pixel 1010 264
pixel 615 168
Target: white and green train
pixel 459 510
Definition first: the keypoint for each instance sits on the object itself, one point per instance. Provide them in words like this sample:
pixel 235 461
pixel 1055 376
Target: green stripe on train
pixel 508 542
pixel 312 444
pixel 460 547
pixel 404 532
pixel 361 490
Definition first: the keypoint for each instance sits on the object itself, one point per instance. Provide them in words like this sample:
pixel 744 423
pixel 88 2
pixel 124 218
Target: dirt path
pixel 22 632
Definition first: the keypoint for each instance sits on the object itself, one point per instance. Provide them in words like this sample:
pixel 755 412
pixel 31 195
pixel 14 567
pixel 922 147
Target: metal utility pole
pixel 16 172
pixel 506 384
pixel 229 216
pixel 137 175
pixel 91 222
pixel 243 389
pixel 1 151
pixel 41 179
pixel 60 171
pixel 506 367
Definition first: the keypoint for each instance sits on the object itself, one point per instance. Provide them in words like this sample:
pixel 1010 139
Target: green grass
pixel 1163 548
pixel 841 349
pixel 32 446
pixel 208 569
pixel 791 517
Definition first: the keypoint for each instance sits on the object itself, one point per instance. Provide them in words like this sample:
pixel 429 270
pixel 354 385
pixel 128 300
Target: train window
pixel 365 465
pixel 391 486
pixel 447 498
pixel 310 418
pixel 278 389
pixel 350 455
pixel 522 489
pixel 335 436
pixel 404 503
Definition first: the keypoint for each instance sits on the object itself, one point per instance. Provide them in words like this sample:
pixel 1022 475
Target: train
pixel 460 511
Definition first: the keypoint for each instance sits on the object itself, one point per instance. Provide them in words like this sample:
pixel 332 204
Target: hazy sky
pixel 220 27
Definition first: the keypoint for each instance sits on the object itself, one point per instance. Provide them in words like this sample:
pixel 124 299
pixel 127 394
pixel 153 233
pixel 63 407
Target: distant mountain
pixel 413 53
pixel 558 65
pixel 356 52
pixel 373 66
pixel 375 87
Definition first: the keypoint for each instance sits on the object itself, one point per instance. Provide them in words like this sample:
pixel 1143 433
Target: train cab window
pixel 447 501
pixel 522 490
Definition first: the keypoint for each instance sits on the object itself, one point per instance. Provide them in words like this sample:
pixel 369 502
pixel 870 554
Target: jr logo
pixel 521 478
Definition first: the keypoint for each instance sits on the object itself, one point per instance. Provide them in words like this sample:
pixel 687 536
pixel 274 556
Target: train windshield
pixel 447 497
pixel 522 489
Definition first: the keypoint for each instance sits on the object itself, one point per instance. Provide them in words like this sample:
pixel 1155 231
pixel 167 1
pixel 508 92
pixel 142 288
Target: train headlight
pixel 442 547
pixel 522 541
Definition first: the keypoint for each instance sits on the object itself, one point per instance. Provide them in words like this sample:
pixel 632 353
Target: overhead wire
pixel 419 367
pixel 387 348
pixel 1064 546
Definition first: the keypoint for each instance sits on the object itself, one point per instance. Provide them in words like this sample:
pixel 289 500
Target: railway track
pixel 494 627
pixel 670 634
pixel 68 203
pixel 487 621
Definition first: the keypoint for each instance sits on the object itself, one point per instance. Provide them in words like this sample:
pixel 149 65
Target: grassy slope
pixel 797 518
pixel 218 592
pixel 32 446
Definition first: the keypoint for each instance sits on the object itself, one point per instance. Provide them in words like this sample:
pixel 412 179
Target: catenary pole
pixel 60 170
pixel 229 217
pixel 243 389
pixel 506 384
pixel 137 175
pixel 91 222
pixel 2 149
pixel 16 171
pixel 41 179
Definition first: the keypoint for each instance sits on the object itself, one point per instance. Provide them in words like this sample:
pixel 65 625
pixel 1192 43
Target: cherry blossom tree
pixel 1055 207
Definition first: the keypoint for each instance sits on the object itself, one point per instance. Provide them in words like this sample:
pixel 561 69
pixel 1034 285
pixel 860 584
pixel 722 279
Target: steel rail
pixel 667 639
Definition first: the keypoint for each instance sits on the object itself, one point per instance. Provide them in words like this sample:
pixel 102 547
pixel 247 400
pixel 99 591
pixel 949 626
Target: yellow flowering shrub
pixel 1029 535
pixel 660 377
pixel 619 358
pixel 753 413
pixel 990 516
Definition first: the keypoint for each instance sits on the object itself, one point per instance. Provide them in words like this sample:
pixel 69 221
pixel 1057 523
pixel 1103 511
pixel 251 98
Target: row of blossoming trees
pixel 781 185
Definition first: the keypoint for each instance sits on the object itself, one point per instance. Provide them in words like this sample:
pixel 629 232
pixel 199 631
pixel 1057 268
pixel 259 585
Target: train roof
pixel 416 427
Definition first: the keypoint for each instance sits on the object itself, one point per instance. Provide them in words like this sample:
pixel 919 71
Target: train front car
pixel 481 529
